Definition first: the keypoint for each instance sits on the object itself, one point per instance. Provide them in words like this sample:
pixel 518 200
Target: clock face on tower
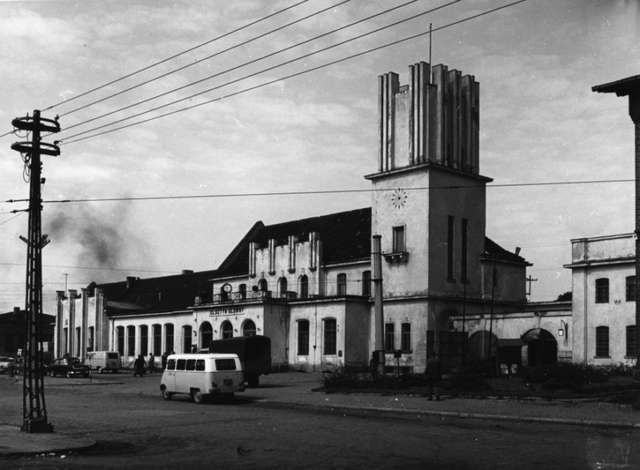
pixel 399 198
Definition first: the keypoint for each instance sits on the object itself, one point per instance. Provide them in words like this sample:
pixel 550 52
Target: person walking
pixel 151 364
pixel 164 360
pixel 138 366
pixel 434 375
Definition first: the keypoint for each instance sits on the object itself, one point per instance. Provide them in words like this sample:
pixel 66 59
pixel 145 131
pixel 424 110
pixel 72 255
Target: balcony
pixel 257 296
pixel 396 257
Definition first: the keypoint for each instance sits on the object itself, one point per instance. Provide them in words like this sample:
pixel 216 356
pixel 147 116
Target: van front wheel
pixel 166 395
pixel 197 396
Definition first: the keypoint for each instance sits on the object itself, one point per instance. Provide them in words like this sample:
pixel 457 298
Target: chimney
pixel 131 280
pixel 518 251
pixel 16 310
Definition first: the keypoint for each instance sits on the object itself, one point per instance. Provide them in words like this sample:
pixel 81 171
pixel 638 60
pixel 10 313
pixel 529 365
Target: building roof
pixel 155 295
pixel 495 251
pixel 345 236
pixel 622 87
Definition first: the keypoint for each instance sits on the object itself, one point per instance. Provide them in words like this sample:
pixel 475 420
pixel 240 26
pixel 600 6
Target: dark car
pixel 68 367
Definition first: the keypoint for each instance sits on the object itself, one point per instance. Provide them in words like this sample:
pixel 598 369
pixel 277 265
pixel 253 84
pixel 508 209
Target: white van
pixel 103 360
pixel 202 375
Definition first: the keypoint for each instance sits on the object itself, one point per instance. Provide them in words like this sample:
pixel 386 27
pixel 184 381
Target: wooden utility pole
pixel 630 87
pixel 34 410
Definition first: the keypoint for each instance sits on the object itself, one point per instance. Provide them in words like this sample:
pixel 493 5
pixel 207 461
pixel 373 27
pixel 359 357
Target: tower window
pixel 366 283
pixel 463 251
pixel 450 234
pixel 399 239
pixel 602 290
pixel 631 289
pixel 342 284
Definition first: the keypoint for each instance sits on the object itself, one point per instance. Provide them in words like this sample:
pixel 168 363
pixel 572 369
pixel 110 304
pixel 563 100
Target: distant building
pixel 307 284
pixel 13 331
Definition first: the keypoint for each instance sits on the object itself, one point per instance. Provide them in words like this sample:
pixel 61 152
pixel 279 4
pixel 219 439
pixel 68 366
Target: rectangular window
pixel 168 340
pixel 405 337
pixel 450 238
pixel 131 340
pixel 303 338
pixel 602 341
pixel 329 336
pixel 463 251
pixel 171 364
pixel 200 364
pixel 398 239
pixel 191 364
pixel 90 339
pixel 225 364
pixel 342 284
pixel 366 283
pixel 631 288
pixel 631 341
pixel 389 337
pixel 182 363
pixel 602 290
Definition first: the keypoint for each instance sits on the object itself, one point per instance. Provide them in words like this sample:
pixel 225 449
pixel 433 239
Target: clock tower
pixel 429 198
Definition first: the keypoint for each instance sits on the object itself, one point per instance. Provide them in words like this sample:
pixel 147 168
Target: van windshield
pixel 225 364
pixel 112 355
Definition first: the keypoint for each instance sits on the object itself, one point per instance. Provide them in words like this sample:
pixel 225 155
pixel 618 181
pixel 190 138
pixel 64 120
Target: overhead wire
pixel 328 191
pixel 286 77
pixel 253 74
pixel 174 56
pixel 192 64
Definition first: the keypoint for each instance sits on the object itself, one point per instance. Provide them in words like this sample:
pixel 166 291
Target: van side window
pixel 200 364
pixel 225 364
pixel 191 364
pixel 181 364
pixel 171 364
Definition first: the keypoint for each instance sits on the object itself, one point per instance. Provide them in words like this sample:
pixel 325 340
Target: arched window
pixel 342 285
pixel 242 289
pixel 206 335
pixel 329 336
pixel 131 340
pixel 303 286
pixel 186 338
pixel 248 328
pixel 168 336
pixel 262 285
pixel 282 287
pixel 303 337
pixel 226 329
pixel 144 339
pixel 120 340
pixel 157 338
pixel 602 341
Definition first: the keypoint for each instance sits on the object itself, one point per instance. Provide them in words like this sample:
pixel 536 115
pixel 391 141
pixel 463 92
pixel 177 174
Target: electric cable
pixel 286 77
pixel 191 64
pixel 191 49
pixel 253 74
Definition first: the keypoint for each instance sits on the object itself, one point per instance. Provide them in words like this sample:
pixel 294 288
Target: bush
pixel 565 375
pixel 349 379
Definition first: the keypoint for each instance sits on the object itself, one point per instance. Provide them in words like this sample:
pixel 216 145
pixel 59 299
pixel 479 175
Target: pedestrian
pixel 151 364
pixel 164 359
pixel 138 366
pixel 433 374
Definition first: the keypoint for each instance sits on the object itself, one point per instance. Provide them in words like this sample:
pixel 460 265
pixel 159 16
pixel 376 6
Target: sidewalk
pixel 295 389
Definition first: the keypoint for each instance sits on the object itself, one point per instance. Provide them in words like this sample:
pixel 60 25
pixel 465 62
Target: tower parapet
pixel 433 119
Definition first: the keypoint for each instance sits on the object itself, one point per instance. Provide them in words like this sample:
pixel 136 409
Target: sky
pixel 539 122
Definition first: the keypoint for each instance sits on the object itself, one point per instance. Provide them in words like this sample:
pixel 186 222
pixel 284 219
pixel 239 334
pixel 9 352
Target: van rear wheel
pixel 197 396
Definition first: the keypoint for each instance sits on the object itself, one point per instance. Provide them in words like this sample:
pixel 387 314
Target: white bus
pixel 202 375
pixel 103 360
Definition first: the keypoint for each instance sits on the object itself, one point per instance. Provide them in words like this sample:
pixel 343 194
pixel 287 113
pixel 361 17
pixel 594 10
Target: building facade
pixel 307 284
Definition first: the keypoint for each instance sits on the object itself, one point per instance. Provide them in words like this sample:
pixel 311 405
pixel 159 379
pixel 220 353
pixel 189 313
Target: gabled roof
pixel 495 251
pixel 155 295
pixel 345 236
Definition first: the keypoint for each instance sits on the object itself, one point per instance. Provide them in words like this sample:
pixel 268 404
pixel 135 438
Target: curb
pixel 448 414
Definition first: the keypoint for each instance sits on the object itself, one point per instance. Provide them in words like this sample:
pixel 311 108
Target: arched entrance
pixel 205 335
pixel 226 329
pixel 542 347
pixel 481 347
pixel 248 328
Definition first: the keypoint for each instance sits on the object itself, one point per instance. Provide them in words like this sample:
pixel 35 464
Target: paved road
pixel 135 428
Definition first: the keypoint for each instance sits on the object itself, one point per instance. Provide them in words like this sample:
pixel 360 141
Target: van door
pixel 169 376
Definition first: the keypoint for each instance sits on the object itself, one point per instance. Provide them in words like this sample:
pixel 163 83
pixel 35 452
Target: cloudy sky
pixel 540 122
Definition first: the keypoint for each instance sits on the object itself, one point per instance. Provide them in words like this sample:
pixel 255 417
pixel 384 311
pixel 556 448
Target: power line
pixel 286 77
pixel 96 268
pixel 2 222
pixel 327 191
pixel 191 49
pixel 253 74
pixel 191 64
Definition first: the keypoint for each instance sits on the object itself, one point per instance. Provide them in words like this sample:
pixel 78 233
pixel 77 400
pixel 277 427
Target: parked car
pixel 68 367
pixel 6 363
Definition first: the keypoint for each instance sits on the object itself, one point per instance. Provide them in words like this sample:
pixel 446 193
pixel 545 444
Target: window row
pixel 602 289
pixel 329 337
pixel 282 287
pixel 602 341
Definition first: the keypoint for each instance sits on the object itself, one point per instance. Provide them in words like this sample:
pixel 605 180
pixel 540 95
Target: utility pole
pixel 530 279
pixel 376 254
pixel 494 278
pixel 630 87
pixel 34 411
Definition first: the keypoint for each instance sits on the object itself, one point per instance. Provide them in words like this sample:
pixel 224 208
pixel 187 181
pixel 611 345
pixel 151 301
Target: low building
pixel 13 329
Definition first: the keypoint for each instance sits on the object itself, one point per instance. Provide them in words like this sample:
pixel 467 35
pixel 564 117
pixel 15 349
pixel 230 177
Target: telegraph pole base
pixel 36 425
